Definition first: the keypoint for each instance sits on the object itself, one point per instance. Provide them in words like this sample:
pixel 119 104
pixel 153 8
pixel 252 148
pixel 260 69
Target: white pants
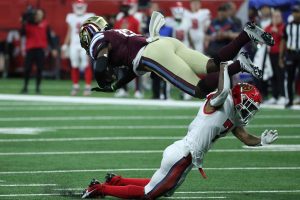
pixel 175 165
pixel 78 57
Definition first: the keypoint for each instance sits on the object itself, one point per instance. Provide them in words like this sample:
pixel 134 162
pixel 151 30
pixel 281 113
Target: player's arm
pixel 192 45
pixel 223 87
pixel 267 137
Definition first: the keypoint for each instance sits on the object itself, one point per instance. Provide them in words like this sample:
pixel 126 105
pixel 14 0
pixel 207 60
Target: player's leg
pixel 85 65
pixel 40 61
pixel 176 163
pixel 159 57
pixel 27 69
pixel 113 179
pixel 75 74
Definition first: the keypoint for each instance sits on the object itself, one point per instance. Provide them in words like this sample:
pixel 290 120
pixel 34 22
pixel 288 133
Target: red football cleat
pixel 94 190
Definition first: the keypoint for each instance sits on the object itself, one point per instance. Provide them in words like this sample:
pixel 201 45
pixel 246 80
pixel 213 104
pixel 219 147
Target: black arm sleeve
pixel 125 75
pixel 100 66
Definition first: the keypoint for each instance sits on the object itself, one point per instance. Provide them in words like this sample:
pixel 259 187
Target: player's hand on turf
pixel 268 137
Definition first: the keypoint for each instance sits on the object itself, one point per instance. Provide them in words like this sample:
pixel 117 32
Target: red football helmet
pixel 246 99
pixel 79 7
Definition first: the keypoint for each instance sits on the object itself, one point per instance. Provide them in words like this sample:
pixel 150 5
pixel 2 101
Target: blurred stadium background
pixel 52 143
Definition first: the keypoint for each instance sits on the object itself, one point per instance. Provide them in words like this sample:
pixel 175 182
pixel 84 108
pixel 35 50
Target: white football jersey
pixel 180 30
pixel 200 20
pixel 206 128
pixel 75 21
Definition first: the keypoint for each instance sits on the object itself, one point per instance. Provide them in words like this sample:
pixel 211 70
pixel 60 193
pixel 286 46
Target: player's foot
pixel 74 91
pixel 87 91
pixel 94 190
pixel 112 179
pixel 121 93
pixel 248 66
pixel 258 35
pixel 138 95
pixel 24 91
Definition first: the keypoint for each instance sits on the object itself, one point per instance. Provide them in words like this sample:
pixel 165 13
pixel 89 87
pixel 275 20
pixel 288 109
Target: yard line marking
pixel 194 198
pixel 53 194
pixel 119 138
pixel 274 148
pixel 27 195
pixel 144 169
pixel 27 185
pixel 108 127
pixel 115 101
pixel 91 118
pixel 279 147
pixel 23 131
pixel 125 118
pixel 102 101
pixel 239 192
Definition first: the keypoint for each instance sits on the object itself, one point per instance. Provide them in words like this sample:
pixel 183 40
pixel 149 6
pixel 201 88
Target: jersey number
pixel 227 125
pixel 125 32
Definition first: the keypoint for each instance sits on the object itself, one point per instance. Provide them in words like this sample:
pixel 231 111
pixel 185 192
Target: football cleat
pixel 74 91
pixel 258 35
pixel 108 177
pixel 248 66
pixel 94 190
pixel 112 179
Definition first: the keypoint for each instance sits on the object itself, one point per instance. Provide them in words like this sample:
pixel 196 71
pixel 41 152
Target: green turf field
pixel 49 149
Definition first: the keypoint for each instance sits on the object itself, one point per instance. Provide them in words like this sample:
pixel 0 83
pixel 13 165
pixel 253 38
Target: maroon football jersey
pixel 125 46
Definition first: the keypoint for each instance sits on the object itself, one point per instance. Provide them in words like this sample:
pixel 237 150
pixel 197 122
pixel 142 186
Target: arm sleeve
pixel 98 42
pixel 126 75
pixel 223 89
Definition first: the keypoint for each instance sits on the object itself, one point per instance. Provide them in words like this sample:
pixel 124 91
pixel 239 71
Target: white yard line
pixel 240 192
pixel 270 148
pixel 124 127
pixel 193 198
pixel 92 118
pixel 144 169
pixel 126 138
pixel 125 118
pixel 112 101
pixel 27 185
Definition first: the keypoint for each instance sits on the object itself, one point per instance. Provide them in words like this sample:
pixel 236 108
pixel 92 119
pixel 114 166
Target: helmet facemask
pixel 246 109
pixel 246 99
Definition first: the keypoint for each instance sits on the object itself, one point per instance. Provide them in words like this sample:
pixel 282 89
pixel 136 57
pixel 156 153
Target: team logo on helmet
pixel 247 99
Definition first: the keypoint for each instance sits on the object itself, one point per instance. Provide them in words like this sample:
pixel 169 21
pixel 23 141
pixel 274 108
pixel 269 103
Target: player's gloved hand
pixel 105 88
pixel 268 137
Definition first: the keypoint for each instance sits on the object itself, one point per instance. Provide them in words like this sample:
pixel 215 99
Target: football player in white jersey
pixel 223 111
pixel 180 24
pixel 72 48
pixel 200 20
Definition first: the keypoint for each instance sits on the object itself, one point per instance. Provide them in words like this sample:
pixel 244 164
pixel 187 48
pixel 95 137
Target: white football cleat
pixel 248 66
pixel 258 35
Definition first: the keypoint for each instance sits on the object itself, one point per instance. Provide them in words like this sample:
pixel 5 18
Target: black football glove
pixel 105 88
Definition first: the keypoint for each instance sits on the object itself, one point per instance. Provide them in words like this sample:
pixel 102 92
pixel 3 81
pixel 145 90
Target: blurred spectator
pixel 289 56
pixel 200 19
pixel 2 52
pixel 231 9
pixel 72 48
pixel 265 16
pixel 277 81
pixel 220 32
pixel 37 32
pixel 126 20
